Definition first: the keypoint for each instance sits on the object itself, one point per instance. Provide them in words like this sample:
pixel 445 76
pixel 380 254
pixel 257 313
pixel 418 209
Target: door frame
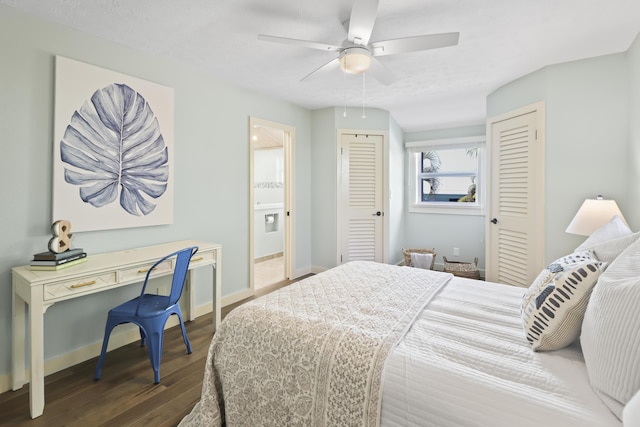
pixel 385 189
pixel 289 216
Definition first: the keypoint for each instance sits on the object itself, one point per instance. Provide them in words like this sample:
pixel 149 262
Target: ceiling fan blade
pixel 380 72
pixel 413 44
pixel 302 43
pixel 363 17
pixel 331 65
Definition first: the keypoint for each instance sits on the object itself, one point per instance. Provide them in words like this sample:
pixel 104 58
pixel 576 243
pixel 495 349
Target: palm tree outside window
pixel 448 175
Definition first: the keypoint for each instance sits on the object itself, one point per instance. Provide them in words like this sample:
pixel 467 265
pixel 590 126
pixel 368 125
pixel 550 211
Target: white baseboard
pixel 5 383
pixel 203 309
pixel 315 269
pixel 246 293
pixel 238 296
pixel 301 272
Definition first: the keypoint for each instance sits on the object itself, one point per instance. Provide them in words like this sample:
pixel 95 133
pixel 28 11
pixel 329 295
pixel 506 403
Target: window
pixel 446 176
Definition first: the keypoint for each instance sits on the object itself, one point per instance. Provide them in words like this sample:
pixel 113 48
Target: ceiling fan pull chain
pixel 344 114
pixel 364 116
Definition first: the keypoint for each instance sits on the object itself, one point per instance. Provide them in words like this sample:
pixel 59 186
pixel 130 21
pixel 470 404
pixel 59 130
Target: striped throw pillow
pixel 610 336
pixel 553 308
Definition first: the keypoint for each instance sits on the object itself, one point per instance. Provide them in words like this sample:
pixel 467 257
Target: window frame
pixel 415 205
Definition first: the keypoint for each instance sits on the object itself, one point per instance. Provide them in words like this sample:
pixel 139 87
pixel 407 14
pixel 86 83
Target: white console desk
pixel 101 272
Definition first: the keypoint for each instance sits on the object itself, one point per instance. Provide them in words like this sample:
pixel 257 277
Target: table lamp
pixel 593 214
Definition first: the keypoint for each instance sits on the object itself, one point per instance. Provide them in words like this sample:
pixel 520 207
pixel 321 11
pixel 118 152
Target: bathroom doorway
pixel 271 146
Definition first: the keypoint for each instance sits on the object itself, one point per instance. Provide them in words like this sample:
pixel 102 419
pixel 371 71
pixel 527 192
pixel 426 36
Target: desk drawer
pixel 203 258
pixel 78 285
pixel 139 272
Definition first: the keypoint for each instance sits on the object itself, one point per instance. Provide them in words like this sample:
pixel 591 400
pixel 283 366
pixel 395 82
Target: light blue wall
pixel 444 232
pixel 397 207
pixel 632 214
pixel 586 137
pixel 325 125
pixel 211 173
pixel 323 189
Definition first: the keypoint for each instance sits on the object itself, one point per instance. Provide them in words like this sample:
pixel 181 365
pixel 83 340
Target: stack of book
pixel 56 261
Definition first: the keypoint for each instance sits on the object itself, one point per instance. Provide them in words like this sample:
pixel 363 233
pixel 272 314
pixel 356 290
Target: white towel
pixel 421 260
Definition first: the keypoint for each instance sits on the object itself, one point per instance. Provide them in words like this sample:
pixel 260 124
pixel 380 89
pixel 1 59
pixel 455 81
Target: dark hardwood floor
pixel 126 394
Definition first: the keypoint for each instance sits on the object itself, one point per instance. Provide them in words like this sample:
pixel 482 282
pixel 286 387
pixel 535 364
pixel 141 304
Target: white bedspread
pixel 465 362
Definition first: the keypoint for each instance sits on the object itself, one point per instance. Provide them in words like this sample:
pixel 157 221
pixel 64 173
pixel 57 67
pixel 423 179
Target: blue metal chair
pixel 150 312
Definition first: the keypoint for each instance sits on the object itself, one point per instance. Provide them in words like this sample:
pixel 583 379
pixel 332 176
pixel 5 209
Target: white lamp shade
pixel 593 214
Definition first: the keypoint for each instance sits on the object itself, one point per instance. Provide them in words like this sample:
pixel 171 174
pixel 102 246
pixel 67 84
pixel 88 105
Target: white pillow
pixel 609 250
pixel 613 229
pixel 553 308
pixel 611 332
pixel 631 413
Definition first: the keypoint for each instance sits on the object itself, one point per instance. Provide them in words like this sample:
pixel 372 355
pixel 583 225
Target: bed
pixel 372 344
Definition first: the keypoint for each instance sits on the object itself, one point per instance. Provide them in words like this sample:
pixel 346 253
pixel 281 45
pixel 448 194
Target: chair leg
pixel 154 345
pixel 103 352
pixel 142 337
pixel 184 333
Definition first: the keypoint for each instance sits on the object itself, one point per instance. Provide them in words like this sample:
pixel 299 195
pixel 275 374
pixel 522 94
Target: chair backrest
pixel 183 257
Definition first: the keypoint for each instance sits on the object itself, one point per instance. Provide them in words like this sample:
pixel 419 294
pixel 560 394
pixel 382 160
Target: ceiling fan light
pixel 355 60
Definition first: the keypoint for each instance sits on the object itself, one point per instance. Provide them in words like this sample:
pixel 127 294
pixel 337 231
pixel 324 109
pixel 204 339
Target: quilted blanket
pixel 312 353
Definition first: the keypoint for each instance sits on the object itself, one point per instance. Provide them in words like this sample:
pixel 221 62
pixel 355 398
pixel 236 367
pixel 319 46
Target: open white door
pixel 361 198
pixel 515 232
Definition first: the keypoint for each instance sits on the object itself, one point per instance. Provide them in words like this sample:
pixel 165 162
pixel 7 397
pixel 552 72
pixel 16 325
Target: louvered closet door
pixel 362 197
pixel 515 231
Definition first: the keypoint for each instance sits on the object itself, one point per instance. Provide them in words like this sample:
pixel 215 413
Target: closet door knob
pixel 494 220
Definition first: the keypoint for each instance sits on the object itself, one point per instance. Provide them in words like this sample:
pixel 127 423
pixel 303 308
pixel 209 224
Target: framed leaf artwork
pixel 113 149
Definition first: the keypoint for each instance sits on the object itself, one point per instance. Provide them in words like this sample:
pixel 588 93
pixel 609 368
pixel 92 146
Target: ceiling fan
pixel 357 55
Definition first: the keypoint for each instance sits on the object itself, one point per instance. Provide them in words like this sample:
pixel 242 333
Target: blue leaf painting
pixel 113 146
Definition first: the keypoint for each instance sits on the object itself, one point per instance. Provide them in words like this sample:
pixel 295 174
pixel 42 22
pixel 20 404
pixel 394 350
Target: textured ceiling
pixel 500 40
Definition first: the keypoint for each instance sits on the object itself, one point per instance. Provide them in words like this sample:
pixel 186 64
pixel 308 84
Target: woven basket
pixel 407 255
pixel 462 269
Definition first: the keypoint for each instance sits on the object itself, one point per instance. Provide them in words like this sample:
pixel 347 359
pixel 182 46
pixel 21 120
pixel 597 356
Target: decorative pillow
pixel 613 229
pixel 611 332
pixel 553 307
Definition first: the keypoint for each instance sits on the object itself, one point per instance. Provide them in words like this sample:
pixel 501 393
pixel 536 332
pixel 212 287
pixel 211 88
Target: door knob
pixel 377 214
pixel 494 220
